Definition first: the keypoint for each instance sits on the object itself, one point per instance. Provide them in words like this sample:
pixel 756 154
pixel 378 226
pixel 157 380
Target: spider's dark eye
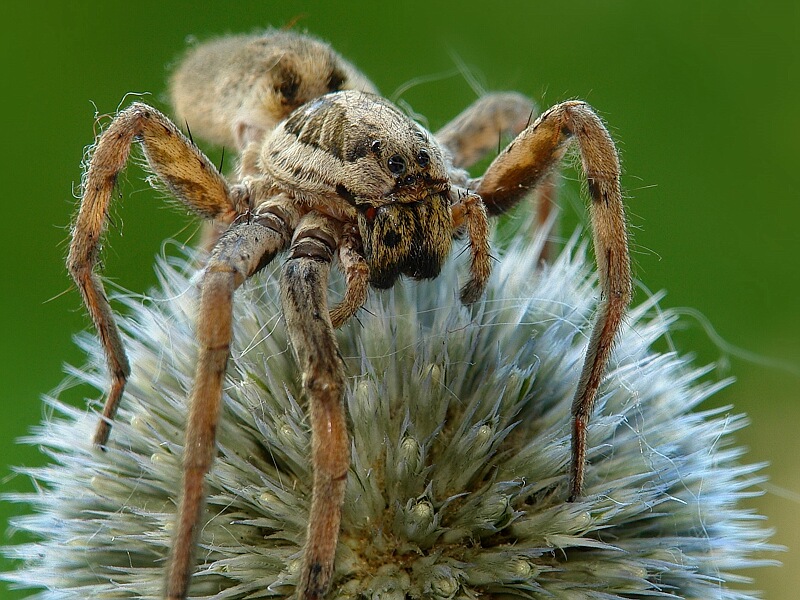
pixel 397 164
pixel 376 146
pixel 423 158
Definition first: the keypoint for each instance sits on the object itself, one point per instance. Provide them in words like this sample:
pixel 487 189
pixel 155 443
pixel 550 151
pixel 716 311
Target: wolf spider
pixel 329 168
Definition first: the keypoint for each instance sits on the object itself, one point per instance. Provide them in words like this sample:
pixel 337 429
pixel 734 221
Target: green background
pixel 702 97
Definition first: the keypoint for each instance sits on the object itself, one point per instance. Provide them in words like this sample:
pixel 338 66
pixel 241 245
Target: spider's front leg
pixel 304 288
pixel 188 174
pixel 519 168
pixel 477 131
pixel 239 253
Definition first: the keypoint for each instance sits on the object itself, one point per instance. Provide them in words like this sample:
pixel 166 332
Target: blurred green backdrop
pixel 701 96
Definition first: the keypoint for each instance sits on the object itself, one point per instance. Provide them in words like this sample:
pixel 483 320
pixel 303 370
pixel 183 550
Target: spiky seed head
pixel 460 447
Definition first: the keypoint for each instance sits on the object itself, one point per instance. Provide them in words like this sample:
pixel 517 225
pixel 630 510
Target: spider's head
pixel 358 148
pixel 408 230
pixel 400 188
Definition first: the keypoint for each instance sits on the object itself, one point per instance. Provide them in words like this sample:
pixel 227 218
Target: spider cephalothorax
pixel 345 179
pixel 359 148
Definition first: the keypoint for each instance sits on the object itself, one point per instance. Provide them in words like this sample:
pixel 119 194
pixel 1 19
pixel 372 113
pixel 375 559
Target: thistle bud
pixel 460 427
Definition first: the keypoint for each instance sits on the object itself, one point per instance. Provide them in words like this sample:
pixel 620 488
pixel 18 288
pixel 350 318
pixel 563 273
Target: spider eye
pixel 376 146
pixel 423 158
pixel 397 164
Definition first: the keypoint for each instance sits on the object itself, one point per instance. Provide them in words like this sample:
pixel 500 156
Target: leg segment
pixel 546 201
pixel 304 283
pixel 469 211
pixel 476 131
pixel 522 165
pixel 241 251
pixel 356 272
pixel 182 168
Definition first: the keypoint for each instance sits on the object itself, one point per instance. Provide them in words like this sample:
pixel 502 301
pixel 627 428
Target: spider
pixel 327 170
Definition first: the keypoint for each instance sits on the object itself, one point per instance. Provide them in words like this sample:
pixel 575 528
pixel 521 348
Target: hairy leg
pixel 240 252
pixel 304 288
pixel 520 167
pixel 468 211
pixel 356 271
pixel 188 174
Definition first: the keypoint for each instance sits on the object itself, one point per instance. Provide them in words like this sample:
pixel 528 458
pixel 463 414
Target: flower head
pixel 460 449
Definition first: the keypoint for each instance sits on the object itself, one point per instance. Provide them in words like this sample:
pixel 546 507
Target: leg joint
pixel 314 243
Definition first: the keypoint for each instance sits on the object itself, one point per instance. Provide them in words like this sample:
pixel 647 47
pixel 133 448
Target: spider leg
pixel 476 130
pixel 469 210
pixel 240 252
pixel 546 204
pixel 191 177
pixel 523 164
pixel 304 283
pixel 356 272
